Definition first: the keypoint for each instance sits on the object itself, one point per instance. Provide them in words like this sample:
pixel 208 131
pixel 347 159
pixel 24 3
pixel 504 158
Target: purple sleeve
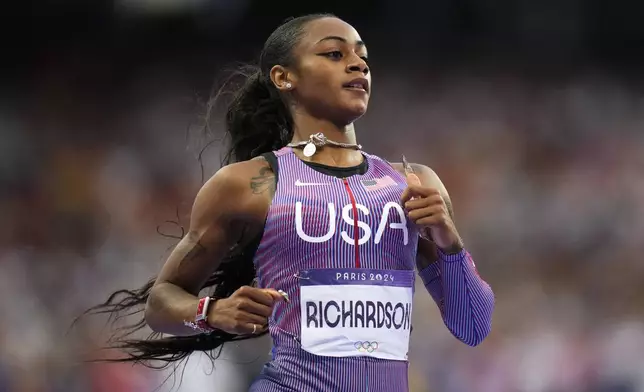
pixel 466 301
pixel 431 277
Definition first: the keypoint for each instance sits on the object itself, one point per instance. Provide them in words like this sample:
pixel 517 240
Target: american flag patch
pixel 379 183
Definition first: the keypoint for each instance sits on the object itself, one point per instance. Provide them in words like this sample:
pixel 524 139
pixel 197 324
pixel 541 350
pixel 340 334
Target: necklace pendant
pixel 309 150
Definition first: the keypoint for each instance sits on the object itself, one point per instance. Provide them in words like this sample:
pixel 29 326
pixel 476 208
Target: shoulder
pixel 242 189
pixel 237 177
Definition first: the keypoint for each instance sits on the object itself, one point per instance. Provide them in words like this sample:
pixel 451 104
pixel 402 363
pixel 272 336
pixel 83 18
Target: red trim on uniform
pixel 356 229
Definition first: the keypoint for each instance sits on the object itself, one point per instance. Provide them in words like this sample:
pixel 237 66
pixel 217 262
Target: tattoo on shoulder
pixel 263 182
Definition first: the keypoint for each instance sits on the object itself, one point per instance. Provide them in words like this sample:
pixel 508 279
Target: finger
pixel 432 220
pixel 418 191
pixel 426 212
pixel 277 295
pixel 423 202
pixel 250 318
pixel 406 195
pixel 423 191
pixel 409 193
pixel 261 296
pixel 253 307
pixel 262 328
pixel 415 203
pixel 252 328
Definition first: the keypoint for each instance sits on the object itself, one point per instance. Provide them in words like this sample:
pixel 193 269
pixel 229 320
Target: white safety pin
pixel 297 275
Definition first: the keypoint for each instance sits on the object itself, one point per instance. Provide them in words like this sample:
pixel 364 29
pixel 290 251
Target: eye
pixel 335 55
pixel 366 60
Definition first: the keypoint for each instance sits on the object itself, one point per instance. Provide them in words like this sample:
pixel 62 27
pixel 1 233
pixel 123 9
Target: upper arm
pixel 227 210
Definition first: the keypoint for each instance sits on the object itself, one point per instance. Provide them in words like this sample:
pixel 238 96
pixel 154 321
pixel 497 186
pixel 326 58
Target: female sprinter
pixel 332 235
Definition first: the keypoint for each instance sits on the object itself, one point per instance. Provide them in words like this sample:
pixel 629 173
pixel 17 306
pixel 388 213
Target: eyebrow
pixel 336 38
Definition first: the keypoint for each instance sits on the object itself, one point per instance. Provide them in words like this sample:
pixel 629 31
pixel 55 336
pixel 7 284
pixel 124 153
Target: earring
pixel 288 85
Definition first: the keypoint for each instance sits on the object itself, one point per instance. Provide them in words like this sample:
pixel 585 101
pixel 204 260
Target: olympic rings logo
pixel 366 346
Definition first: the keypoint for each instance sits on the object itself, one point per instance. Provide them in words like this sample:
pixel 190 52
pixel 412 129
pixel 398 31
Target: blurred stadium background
pixel 531 111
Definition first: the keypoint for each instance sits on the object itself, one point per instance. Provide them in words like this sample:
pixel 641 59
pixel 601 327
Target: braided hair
pixel 257 121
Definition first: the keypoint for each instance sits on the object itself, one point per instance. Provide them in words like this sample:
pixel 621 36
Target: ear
pixel 282 78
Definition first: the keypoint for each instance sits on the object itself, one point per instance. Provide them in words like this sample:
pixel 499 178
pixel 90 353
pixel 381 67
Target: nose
pixel 357 64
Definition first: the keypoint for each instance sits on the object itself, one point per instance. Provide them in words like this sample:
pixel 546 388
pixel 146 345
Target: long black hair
pixel 258 120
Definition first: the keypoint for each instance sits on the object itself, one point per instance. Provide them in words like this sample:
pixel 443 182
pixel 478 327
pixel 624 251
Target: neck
pixel 305 126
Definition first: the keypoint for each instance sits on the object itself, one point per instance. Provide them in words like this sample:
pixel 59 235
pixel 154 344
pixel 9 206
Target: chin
pixel 356 110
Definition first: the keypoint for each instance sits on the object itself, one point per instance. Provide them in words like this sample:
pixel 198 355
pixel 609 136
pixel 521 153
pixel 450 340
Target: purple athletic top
pixel 311 225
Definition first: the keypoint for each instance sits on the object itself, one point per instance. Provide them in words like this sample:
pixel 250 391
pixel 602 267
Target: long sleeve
pixel 466 301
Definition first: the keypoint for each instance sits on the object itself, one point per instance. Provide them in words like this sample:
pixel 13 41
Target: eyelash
pixel 330 55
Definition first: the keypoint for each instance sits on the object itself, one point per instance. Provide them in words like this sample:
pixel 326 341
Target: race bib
pixel 356 312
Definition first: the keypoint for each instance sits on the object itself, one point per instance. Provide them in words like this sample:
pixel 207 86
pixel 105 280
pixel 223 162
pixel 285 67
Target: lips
pixel 361 84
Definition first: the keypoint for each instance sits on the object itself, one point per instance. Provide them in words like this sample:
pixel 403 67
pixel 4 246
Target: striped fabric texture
pixel 311 224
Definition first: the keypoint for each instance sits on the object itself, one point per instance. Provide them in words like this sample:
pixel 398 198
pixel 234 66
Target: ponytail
pixel 257 121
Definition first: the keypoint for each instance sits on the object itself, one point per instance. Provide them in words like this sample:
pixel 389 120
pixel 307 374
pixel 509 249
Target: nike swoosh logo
pixel 300 183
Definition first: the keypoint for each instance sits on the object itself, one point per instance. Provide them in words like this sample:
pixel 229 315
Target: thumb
pixel 412 179
pixel 277 296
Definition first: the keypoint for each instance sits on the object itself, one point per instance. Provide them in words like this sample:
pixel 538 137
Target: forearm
pixel 169 307
pixel 465 300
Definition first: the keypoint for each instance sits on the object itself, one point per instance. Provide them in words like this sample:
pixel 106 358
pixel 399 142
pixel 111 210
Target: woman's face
pixel 331 79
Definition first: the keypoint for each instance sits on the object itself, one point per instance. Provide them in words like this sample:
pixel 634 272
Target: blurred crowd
pixel 546 176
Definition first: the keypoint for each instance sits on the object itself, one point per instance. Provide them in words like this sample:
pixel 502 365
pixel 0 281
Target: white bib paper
pixel 356 312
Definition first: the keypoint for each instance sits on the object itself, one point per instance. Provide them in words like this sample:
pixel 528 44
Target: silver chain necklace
pixel 318 140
